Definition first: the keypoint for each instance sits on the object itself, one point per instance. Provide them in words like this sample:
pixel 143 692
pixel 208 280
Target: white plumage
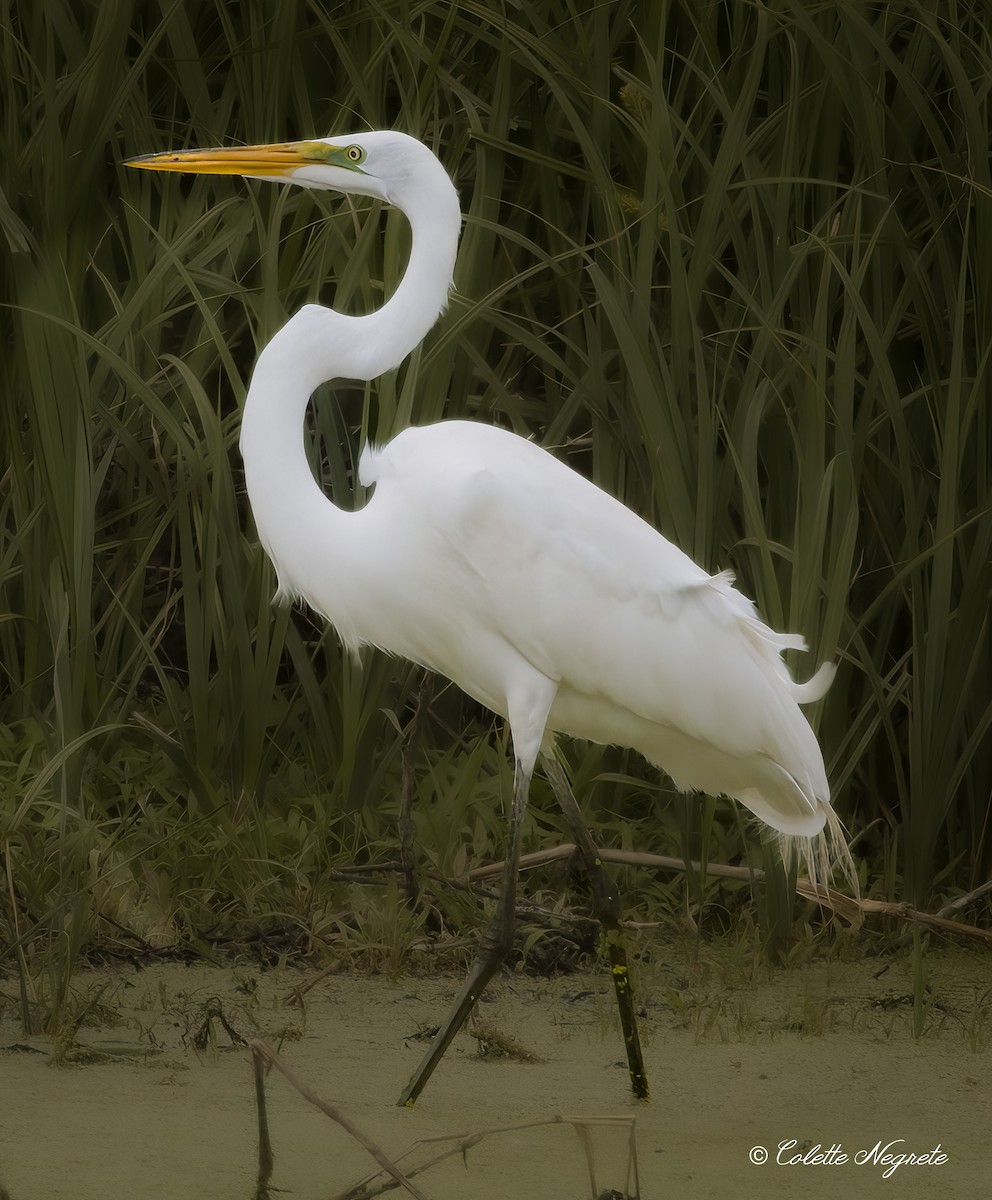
pixel 483 557
pixel 511 571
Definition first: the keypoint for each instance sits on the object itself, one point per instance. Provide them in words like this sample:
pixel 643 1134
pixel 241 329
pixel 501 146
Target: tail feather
pixel 786 784
pixel 816 687
pixel 823 855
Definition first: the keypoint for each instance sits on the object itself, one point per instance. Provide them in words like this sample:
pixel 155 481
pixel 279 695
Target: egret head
pixel 380 163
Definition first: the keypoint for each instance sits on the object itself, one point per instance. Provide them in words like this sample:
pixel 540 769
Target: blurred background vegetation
pixel 732 260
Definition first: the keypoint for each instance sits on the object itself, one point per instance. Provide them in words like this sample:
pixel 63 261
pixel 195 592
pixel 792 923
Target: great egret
pixel 484 558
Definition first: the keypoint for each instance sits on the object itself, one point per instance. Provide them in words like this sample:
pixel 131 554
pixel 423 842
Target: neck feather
pixel 295 520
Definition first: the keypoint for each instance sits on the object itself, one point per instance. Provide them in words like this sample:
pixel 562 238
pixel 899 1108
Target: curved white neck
pixel 318 344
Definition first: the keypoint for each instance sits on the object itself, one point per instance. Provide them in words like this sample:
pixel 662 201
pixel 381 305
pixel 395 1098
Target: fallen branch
pixel 851 909
pixel 264 1055
pixel 960 902
pixel 389 1175
pixel 373 1184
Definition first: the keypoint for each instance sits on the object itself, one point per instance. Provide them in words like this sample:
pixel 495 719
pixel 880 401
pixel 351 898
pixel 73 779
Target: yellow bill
pixel 279 158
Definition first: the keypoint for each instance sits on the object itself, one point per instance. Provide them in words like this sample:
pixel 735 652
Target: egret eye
pixel 355 154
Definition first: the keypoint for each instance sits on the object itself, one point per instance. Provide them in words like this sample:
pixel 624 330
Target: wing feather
pixel 645 647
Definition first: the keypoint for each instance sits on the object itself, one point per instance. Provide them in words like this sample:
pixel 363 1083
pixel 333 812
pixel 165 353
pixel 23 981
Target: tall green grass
pixel 730 260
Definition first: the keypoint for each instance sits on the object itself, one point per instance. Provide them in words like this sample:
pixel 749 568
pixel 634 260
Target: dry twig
pixel 263 1054
pixel 851 909
pixel 374 1185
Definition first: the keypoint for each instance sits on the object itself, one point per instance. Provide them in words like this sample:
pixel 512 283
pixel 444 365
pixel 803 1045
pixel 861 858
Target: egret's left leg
pixel 493 948
pixel 529 699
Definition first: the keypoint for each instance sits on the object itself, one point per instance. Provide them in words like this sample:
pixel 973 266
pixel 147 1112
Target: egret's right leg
pixel 606 909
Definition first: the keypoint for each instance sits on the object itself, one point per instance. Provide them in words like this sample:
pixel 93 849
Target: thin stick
pixel 634 1192
pixel 582 1133
pixel 630 858
pixel 906 913
pixel 366 1188
pixel 266 1159
pixel 960 902
pixel 262 1050
pixel 295 995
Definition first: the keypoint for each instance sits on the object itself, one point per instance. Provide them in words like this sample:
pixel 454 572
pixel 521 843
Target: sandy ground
pixel 822 1056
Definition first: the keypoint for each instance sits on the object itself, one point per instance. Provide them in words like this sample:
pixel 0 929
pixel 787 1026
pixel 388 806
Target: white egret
pixel 481 556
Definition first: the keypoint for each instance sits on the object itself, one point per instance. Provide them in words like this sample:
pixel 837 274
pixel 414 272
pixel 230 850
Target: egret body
pixel 483 557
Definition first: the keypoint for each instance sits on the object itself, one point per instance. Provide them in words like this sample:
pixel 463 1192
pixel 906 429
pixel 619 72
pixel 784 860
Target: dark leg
pixel 404 821
pixel 606 909
pixel 494 947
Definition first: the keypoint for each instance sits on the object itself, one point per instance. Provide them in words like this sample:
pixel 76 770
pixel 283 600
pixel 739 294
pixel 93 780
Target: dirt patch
pixel 156 1096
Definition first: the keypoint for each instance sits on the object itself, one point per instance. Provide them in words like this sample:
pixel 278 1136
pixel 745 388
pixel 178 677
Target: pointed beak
pixel 280 158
